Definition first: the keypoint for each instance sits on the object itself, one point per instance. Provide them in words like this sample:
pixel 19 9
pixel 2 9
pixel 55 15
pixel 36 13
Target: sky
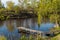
pixel 4 1
pixel 15 1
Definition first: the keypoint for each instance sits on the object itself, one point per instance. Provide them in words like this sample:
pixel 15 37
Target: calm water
pixel 9 29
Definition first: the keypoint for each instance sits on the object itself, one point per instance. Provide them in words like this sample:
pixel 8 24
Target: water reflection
pixel 9 29
pixel 10 25
pixel 1 23
pixel 19 22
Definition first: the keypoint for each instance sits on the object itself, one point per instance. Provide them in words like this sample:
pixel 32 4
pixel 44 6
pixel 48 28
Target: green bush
pixel 23 38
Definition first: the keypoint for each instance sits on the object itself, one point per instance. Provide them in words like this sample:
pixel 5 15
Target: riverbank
pixel 16 16
pixel 56 37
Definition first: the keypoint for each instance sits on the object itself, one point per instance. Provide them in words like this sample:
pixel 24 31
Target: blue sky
pixel 4 1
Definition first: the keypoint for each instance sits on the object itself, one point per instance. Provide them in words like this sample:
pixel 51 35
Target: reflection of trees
pixel 30 23
pixel 34 21
pixel 26 23
pixel 20 22
pixel 10 25
pixel 1 23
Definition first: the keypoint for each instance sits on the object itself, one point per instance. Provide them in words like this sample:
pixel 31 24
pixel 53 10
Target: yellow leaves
pixel 1 10
pixel 54 17
pixel 54 0
pixel 8 8
pixel 10 5
pixel 17 9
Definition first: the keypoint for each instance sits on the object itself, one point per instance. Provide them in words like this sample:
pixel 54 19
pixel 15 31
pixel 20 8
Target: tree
pixel 23 3
pixel 41 10
pixel 17 9
pixel 10 5
pixel 0 4
pixel 55 16
pixel 28 5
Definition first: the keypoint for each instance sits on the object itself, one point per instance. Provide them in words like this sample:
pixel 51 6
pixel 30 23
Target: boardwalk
pixel 29 30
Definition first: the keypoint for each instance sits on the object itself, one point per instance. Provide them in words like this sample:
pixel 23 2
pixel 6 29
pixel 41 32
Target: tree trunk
pixel 56 24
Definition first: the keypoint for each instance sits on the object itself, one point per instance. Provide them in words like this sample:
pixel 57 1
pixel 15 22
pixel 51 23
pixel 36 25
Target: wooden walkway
pixel 27 30
pixel 23 29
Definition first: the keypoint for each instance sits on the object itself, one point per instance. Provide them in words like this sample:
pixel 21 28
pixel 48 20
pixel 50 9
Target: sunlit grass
pixel 31 37
pixel 3 38
pixel 55 29
pixel 23 38
pixel 56 37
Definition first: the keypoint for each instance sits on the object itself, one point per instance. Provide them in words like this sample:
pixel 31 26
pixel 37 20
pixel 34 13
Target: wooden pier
pixel 27 30
pixel 30 31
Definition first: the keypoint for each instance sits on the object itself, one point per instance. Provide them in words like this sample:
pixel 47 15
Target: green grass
pixel 56 37
pixel 3 38
pixel 38 37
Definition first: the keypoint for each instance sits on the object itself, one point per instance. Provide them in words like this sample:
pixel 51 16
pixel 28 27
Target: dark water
pixel 9 29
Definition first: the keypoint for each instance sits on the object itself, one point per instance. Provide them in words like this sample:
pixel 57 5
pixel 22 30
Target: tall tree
pixel 17 9
pixel 10 5
pixel 0 4
pixel 23 3
pixel 55 16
